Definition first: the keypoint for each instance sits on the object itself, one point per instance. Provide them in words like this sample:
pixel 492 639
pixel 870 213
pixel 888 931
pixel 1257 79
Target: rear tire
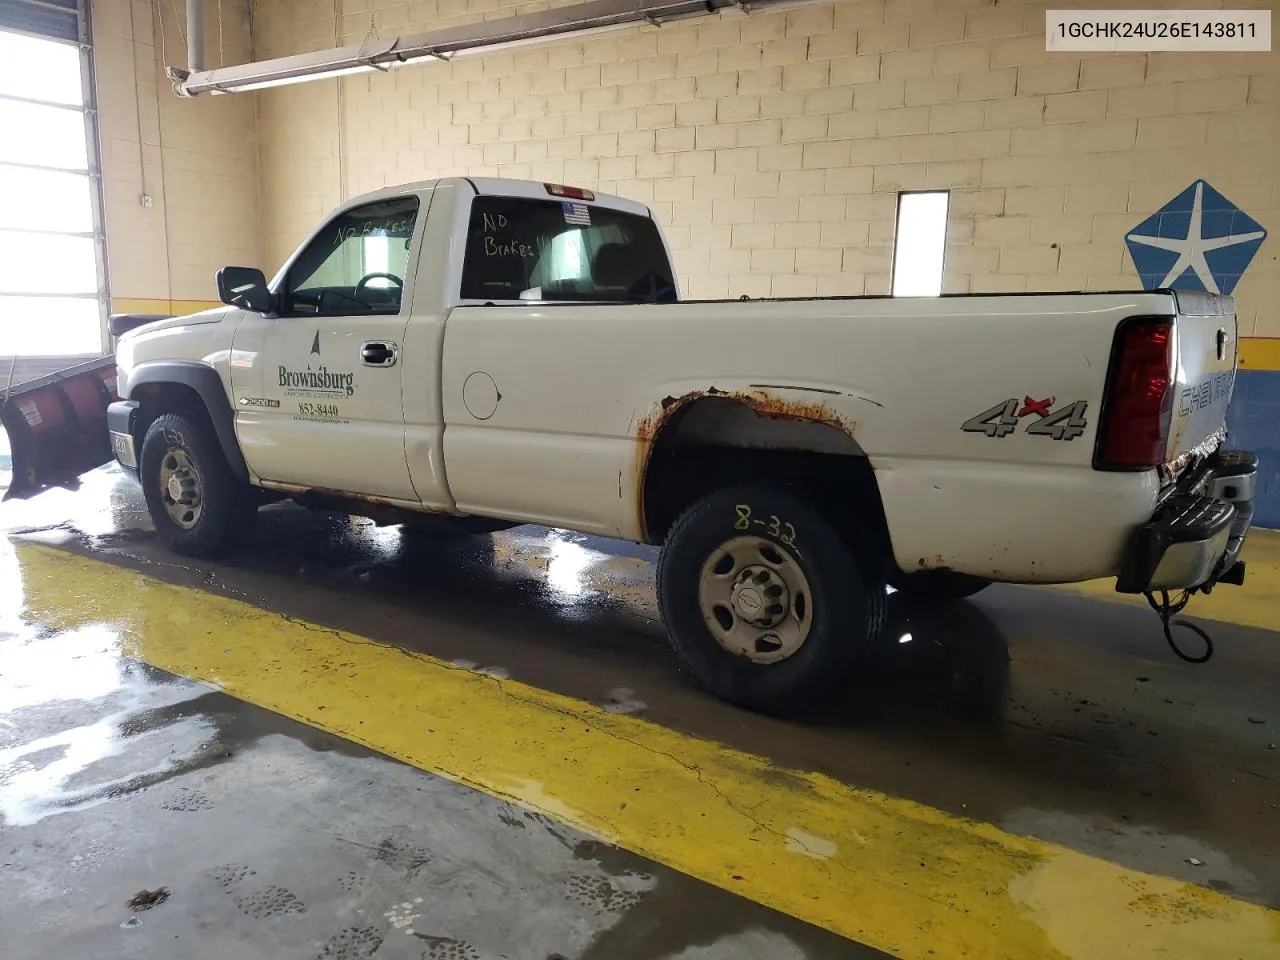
pixel 765 600
pixel 940 586
pixel 197 504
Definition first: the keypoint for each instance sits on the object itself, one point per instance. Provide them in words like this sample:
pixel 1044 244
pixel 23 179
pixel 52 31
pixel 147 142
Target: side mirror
pixel 244 287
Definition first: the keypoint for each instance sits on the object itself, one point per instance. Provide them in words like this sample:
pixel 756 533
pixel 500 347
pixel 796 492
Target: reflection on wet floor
pixel 1049 715
pixel 272 839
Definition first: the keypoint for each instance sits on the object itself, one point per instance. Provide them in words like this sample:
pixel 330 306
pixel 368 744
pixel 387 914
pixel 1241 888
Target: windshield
pixel 519 249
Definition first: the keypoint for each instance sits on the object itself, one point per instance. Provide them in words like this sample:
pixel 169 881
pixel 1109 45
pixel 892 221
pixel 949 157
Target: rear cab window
pixel 525 249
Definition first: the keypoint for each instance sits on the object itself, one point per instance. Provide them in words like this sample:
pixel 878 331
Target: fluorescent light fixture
pixel 560 23
pixel 585 34
pixel 919 242
pixel 287 81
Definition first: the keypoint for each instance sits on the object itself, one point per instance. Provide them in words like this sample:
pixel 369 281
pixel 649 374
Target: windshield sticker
pixel 1065 423
pixel 578 214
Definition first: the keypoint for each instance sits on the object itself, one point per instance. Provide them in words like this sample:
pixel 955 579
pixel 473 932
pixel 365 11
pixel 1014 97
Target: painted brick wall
pixel 772 145
pixel 196 159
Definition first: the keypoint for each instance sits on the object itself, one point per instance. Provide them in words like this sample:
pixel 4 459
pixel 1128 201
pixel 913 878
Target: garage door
pixel 52 269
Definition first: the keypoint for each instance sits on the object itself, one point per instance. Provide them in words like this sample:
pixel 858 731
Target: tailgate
pixel 1206 371
pixel 57 426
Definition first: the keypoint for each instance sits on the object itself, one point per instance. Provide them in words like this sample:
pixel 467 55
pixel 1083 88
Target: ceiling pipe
pixel 577 21
pixel 195 36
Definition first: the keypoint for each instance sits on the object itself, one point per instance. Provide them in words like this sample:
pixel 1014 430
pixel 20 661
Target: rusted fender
pixel 764 402
pixel 57 427
pixel 761 398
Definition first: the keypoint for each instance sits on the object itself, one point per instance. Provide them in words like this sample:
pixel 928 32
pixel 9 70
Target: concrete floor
pixel 1041 713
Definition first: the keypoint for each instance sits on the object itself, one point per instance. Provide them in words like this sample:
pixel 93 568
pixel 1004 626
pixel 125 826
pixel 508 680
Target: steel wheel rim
pixel 755 599
pixel 181 489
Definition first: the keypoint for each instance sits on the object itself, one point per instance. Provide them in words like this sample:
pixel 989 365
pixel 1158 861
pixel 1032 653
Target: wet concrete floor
pixel 1047 714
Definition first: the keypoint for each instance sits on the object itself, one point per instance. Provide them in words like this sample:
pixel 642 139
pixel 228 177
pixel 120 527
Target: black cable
pixel 1167 610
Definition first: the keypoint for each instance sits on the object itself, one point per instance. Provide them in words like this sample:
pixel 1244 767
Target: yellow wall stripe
pixel 1260 353
pixel 894 874
pixel 175 308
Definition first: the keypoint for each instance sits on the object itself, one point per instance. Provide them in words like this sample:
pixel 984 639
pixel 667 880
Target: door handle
pixel 378 353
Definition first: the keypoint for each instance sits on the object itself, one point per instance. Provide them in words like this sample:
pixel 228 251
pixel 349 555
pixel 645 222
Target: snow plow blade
pixel 57 427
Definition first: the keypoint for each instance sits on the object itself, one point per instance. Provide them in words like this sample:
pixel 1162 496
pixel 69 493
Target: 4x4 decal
pixel 1065 423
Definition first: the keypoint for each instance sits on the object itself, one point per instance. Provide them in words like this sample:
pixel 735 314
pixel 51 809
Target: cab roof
pixel 497 187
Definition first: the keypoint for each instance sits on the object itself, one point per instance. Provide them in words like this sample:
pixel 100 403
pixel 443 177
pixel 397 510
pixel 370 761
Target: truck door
pixel 319 387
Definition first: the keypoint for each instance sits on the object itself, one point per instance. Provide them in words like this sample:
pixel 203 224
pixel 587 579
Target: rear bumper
pixel 1197 534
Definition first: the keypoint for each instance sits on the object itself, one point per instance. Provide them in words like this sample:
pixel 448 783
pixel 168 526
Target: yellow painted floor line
pixel 897 875
pixel 1256 604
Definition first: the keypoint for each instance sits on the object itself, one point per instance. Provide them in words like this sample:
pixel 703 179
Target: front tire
pixel 765 601
pixel 197 504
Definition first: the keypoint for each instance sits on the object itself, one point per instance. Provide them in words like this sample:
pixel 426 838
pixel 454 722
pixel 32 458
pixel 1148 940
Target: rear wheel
pixel 940 586
pixel 765 600
pixel 198 506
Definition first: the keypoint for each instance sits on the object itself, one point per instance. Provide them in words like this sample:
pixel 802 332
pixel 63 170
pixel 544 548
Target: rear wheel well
pixel 713 443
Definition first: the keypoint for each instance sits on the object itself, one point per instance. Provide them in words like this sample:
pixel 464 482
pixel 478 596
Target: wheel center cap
pixel 175 488
pixel 749 601
pixel 759 597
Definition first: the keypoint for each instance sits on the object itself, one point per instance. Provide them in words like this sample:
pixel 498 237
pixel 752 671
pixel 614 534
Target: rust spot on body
pixel 761 402
pixel 302 490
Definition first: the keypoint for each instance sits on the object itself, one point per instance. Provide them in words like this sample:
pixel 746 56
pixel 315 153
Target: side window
pixel 356 264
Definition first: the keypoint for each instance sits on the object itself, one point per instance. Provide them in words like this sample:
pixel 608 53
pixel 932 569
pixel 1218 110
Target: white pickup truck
pixel 502 352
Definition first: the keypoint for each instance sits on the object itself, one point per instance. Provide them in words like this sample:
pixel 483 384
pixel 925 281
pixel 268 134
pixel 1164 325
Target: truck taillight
pixel 1139 401
pixel 569 193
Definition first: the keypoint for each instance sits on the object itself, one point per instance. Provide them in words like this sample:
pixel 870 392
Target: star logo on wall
pixel 1199 240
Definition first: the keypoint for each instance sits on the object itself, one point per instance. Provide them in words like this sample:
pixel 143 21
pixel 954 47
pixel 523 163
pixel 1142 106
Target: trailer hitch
pixel 1167 609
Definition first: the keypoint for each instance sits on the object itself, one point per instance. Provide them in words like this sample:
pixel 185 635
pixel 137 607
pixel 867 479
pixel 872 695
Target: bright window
pixel 918 243
pixel 40 69
pixel 51 280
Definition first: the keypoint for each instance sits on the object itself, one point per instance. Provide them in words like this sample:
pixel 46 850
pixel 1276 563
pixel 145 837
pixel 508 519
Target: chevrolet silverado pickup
pixel 484 353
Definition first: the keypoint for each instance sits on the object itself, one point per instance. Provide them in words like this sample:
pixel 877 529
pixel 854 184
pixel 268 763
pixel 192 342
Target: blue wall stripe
pixel 1253 423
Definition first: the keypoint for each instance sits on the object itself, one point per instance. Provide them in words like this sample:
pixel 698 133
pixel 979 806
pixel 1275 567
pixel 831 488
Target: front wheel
pixel 765 600
pixel 197 504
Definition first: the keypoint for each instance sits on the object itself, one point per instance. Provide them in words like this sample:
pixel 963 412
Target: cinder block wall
pixel 195 159
pixel 773 145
